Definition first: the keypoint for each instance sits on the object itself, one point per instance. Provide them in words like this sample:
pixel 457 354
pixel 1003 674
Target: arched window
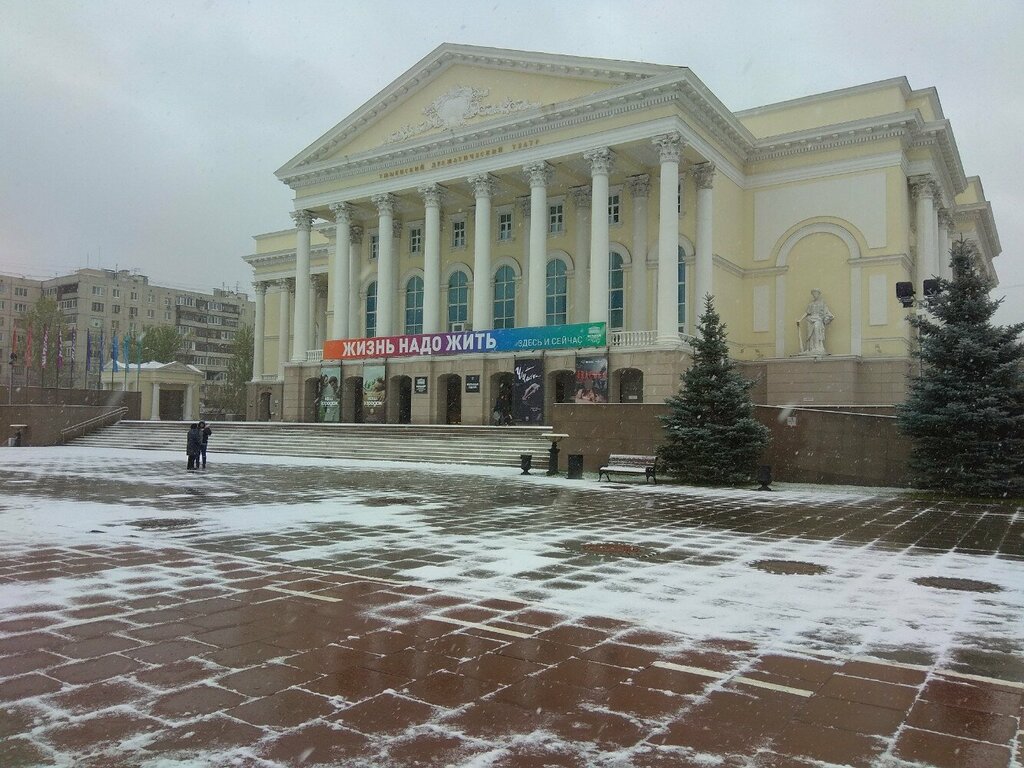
pixel 505 298
pixel 414 305
pixel 458 300
pixel 556 293
pixel 616 294
pixel 371 309
pixel 681 293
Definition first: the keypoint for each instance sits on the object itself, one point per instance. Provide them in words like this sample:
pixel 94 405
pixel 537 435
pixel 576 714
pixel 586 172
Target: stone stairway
pixel 456 444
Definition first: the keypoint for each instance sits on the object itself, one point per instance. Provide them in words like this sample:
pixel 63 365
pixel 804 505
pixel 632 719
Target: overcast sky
pixel 146 134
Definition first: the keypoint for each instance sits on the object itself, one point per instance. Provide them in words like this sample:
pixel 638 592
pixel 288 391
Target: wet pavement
pixel 283 613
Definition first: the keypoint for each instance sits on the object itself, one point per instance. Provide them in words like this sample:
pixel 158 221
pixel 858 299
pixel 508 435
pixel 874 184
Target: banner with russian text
pixel 528 391
pixel 534 339
pixel 591 380
pixel 374 394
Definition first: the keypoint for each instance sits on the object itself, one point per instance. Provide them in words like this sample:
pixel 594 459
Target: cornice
pixel 283 257
pixel 980 216
pixel 896 126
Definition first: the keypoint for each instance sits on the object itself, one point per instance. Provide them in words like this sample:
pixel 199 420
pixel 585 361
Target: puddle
pixel 787 567
pixel 958 585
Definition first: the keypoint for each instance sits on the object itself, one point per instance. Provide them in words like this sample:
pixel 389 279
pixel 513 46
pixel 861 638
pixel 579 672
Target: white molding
pixel 827 170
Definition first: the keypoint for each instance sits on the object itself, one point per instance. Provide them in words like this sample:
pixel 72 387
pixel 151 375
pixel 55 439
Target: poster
pixel 528 391
pixel 533 339
pixel 473 383
pixel 420 385
pixel 591 380
pixel 328 395
pixel 374 394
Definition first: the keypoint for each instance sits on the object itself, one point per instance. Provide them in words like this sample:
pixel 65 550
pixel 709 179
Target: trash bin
pixel 575 466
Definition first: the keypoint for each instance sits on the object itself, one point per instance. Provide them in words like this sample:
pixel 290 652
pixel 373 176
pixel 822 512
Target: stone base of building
pixel 464 389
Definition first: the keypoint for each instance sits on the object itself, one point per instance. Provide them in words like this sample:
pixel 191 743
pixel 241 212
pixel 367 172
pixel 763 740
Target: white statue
pixel 818 316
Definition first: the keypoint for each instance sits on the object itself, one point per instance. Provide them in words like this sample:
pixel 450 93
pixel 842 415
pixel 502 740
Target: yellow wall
pixel 824 110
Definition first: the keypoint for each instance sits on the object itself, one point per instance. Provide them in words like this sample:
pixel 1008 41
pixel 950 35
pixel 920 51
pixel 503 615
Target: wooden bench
pixel 628 464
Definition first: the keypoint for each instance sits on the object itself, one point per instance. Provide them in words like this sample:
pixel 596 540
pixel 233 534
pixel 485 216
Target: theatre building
pixel 499 231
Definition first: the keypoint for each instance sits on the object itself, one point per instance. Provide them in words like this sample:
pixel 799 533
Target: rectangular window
pixel 613 209
pixel 97 306
pixel 19 307
pixel 150 314
pixel 115 293
pixel 19 291
pixel 505 226
pixel 133 311
pixel 167 301
pixel 99 290
pixel 3 288
pixel 416 240
pixel 3 305
pixel 135 295
pixel 115 308
pixel 556 219
pixel 374 247
pixel 458 234
pixel 115 324
pixel 167 315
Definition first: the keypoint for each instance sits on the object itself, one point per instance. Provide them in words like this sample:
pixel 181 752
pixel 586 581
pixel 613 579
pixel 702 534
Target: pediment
pixel 458 87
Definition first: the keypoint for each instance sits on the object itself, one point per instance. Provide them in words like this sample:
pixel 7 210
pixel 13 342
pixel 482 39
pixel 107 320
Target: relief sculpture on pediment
pixel 455 108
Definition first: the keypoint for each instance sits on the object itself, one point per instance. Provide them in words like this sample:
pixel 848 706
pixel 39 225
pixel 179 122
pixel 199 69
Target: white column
pixel 582 198
pixel 640 189
pixel 431 258
pixel 385 264
pixel 945 242
pixel 258 331
pixel 600 166
pixel 539 174
pixel 283 309
pixel 318 332
pixel 522 295
pixel 483 186
pixel 923 189
pixel 670 147
pixel 340 271
pixel 355 264
pixel 313 309
pixel 303 222
pixel 154 408
pixel 188 403
pixel 704 277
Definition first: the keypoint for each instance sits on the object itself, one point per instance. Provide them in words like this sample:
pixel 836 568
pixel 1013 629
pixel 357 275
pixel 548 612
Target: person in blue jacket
pixel 193 445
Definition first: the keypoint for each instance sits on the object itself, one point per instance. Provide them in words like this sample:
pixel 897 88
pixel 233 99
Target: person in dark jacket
pixel 205 431
pixel 193 446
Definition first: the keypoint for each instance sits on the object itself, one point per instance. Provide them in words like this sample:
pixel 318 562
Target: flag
pixel 28 347
pixel 88 349
pixel 113 353
pixel 46 343
pixel 60 348
pixel 138 352
pixel 74 338
pixel 127 350
pixel 102 345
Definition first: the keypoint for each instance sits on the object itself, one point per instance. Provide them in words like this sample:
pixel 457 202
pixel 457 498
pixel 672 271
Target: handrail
pixel 120 413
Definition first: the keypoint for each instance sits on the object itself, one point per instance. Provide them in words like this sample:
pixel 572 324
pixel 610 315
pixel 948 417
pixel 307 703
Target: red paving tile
pixel 462 645
pixel 333 658
pixel 198 700
pixel 941 751
pixel 285 708
pixel 620 655
pixel 432 749
pixel 22 752
pixel 412 663
pixel 449 689
pixel 606 729
pixel 886 672
pixel 490 718
pixel 498 668
pixel 265 679
pixel 584 674
pixel 28 662
pixel 644 703
pixel 104 728
pixel 92 698
pixel 972 696
pixel 176 674
pixel 538 651
pixel 965 723
pixel 355 684
pixel 549 696
pixel 316 744
pixel 99 646
pixel 200 737
pixel 574 635
pixel 385 713
pixel 851 716
pixel 829 745
pixel 871 692
pixel 731 721
pixel 25 686
pixel 672 680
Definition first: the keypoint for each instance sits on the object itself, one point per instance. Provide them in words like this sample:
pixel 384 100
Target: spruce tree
pixel 711 435
pixel 964 413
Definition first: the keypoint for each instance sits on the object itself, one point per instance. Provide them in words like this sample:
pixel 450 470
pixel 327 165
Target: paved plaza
pixel 282 612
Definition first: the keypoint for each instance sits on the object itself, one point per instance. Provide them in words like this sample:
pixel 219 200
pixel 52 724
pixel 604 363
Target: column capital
pixel 303 219
pixel 538 174
pixel 319 283
pixel 355 234
pixel 639 185
pixel 260 287
pixel 704 174
pixel 670 146
pixel 524 206
pixel 342 212
pixel 431 194
pixel 581 197
pixel 601 160
pixel 945 218
pixel 924 185
pixel 385 203
pixel 482 184
pixel 396 230
pixel 286 284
